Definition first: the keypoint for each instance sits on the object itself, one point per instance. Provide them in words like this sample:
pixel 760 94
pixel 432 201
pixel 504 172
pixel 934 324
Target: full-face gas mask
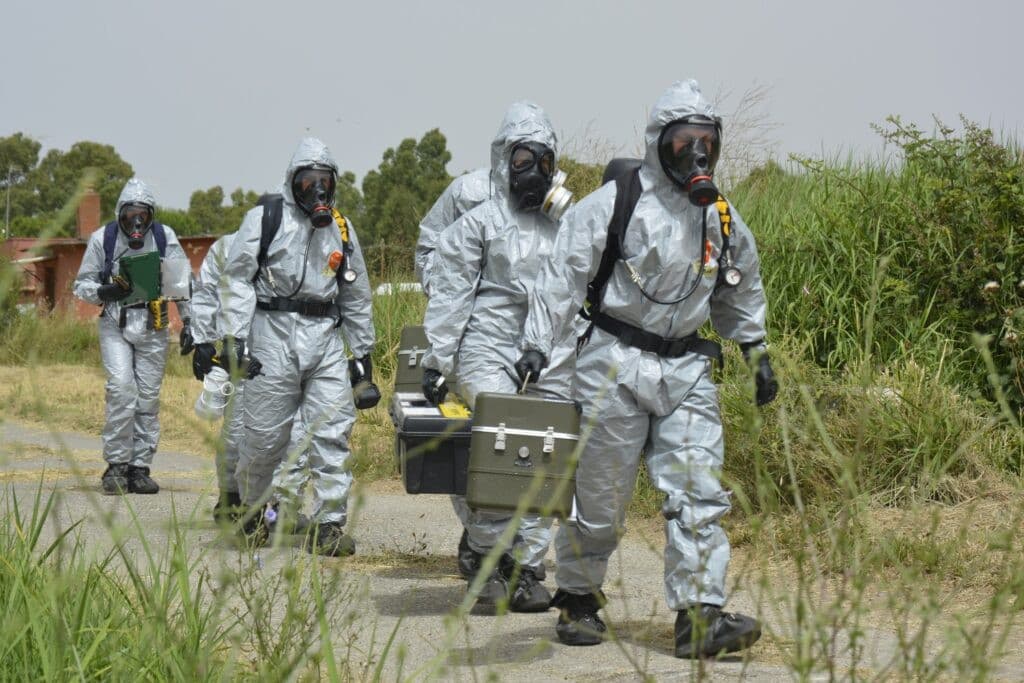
pixel 313 188
pixel 135 220
pixel 531 170
pixel 688 149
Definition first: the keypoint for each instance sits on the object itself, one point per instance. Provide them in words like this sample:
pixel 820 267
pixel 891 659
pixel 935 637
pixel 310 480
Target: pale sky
pixel 201 93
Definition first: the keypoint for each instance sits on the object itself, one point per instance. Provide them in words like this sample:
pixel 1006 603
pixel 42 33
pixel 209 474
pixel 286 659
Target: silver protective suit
pixel 638 402
pixel 207 323
pixel 462 194
pixel 483 268
pixel 133 355
pixel 305 371
pixel 207 326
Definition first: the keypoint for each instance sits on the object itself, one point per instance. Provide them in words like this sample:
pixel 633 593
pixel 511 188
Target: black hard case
pixel 432 450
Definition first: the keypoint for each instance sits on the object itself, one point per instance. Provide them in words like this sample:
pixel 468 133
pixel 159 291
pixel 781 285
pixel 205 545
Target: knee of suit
pixel 695 512
pixel 122 392
pixel 605 535
pixel 149 406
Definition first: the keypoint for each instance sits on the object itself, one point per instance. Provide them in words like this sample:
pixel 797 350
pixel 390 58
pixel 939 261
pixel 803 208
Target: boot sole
pixel 117 490
pixel 576 638
pixel 741 642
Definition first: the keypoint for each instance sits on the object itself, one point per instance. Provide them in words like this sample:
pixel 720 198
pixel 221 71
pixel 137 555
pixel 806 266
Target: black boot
pixel 468 559
pixel 329 538
pixel 256 525
pixel 139 480
pixel 707 631
pixel 228 509
pixel 494 592
pixel 578 623
pixel 528 593
pixel 115 480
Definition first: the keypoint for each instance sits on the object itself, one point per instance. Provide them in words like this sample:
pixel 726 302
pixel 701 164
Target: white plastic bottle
pixel 217 389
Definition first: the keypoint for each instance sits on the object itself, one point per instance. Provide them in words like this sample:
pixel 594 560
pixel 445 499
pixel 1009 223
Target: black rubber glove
pixel 202 360
pixel 117 289
pixel 365 392
pixel 434 387
pixel 360 370
pixel 253 368
pixel 767 387
pixel 185 340
pixel 234 359
pixel 529 365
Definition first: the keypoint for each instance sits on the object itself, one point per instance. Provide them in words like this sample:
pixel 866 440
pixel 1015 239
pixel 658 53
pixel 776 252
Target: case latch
pixel 499 437
pixel 549 440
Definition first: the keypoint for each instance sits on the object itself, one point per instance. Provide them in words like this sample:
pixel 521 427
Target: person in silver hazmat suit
pixel 286 309
pixel 133 338
pixel 480 275
pixel 644 377
pixel 464 193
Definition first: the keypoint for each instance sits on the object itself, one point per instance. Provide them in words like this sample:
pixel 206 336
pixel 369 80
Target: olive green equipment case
pixel 411 347
pixel 523 447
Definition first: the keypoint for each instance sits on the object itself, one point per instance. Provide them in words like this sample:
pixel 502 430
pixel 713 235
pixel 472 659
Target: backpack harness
pixel 628 190
pixel 273 207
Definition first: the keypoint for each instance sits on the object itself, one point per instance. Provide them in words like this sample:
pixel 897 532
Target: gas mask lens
pixel 525 156
pixel 314 193
pixel 313 184
pixel 688 147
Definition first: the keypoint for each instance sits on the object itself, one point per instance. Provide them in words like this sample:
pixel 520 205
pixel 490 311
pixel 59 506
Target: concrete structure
pixel 49 266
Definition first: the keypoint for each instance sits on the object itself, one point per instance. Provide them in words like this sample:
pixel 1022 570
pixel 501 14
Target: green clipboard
pixel 143 271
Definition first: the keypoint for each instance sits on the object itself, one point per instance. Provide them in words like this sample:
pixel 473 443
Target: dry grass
pixel 70 398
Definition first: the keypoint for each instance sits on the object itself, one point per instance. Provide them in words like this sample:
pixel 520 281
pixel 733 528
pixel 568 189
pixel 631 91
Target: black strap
pixel 627 194
pixel 316 309
pixel 273 205
pixel 647 341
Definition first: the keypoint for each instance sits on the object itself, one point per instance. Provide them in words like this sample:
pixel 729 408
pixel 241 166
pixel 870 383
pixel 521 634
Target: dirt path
pixel 404 574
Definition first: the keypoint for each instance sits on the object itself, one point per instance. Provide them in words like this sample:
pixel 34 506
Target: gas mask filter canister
pixel 558 198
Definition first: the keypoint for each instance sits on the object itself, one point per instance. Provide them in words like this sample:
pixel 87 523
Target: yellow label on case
pixel 456 410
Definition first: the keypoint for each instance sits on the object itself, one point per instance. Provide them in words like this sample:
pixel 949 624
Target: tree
pixel 348 198
pixel 206 209
pixel 18 155
pixel 207 213
pixel 56 177
pixel 402 189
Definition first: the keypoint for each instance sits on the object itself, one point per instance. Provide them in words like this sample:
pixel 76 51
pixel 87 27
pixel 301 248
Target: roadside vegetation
pixel 882 488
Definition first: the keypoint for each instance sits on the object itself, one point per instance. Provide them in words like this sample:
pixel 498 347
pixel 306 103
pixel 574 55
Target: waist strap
pixel 648 341
pixel 316 309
